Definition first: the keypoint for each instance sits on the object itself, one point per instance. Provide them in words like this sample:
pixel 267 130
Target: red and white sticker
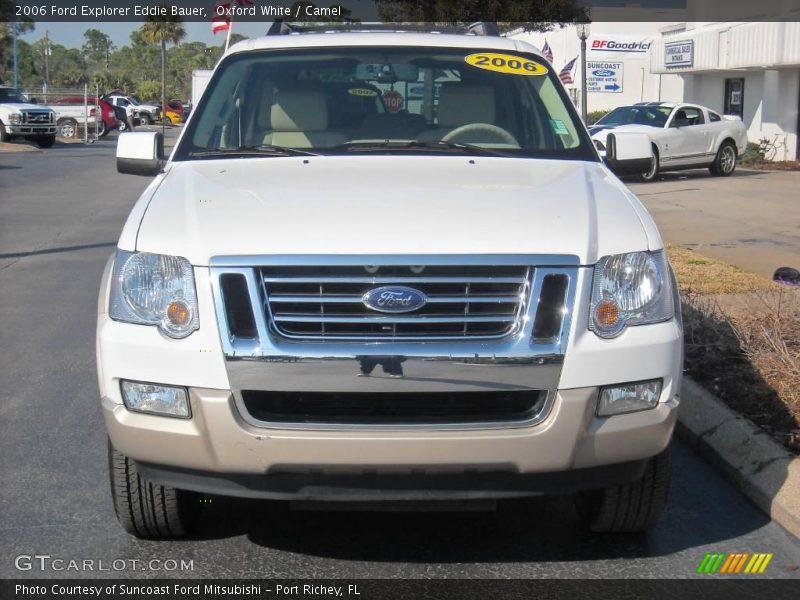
pixel 393 101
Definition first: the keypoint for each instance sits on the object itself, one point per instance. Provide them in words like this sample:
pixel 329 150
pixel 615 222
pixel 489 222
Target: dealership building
pixel 747 69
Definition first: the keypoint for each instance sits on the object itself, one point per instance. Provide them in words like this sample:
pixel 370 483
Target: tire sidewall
pixel 718 168
pixel 644 176
pixel 68 123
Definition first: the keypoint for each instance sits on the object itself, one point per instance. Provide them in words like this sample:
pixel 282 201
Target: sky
pixel 71 34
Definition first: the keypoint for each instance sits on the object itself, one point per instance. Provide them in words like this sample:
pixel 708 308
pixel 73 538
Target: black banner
pixel 390 589
pixel 392 11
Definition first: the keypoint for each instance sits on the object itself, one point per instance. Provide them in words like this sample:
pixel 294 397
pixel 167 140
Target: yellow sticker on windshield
pixel 505 63
pixel 362 92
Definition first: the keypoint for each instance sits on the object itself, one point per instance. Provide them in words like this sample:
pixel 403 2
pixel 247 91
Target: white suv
pixel 387 266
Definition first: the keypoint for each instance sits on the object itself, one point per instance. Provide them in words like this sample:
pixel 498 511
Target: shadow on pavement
pixel 536 529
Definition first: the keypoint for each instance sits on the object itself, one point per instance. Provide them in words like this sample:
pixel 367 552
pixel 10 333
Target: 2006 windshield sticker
pixel 505 63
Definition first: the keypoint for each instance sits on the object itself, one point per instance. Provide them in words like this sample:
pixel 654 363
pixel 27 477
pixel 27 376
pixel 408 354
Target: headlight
pixel 15 118
pixel 154 289
pixel 630 289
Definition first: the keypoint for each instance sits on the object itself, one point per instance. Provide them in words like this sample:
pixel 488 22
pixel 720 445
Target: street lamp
pixel 583 29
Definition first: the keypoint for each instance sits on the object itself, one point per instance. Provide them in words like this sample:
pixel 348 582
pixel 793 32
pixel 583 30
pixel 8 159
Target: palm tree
pixel 163 30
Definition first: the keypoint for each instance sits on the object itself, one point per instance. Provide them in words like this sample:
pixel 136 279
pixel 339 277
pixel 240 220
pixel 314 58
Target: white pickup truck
pixel 684 136
pixel 19 117
pixel 142 114
pixel 322 298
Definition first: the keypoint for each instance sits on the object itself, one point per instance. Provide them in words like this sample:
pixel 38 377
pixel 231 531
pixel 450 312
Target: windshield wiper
pixel 262 150
pixel 432 145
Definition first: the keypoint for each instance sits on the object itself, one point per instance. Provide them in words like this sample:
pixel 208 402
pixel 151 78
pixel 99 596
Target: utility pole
pixel 582 28
pixel 16 71
pixel 47 52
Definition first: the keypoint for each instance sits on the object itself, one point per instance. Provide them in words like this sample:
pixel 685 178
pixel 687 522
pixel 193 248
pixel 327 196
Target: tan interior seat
pixel 299 119
pixel 461 104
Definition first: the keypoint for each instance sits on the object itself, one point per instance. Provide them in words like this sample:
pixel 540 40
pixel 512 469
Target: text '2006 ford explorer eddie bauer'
pixel 387 266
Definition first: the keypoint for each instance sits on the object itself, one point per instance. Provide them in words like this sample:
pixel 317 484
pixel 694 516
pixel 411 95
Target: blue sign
pixel 602 76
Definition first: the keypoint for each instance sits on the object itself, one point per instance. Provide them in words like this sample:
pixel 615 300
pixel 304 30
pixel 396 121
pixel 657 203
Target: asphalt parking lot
pixel 751 219
pixel 61 211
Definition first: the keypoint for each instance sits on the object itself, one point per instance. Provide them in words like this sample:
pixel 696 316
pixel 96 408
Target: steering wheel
pixel 470 129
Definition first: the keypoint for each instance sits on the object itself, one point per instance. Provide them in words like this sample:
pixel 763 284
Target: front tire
pixel 630 507
pixel 145 509
pixel 144 119
pixel 725 162
pixel 68 129
pixel 123 126
pixel 46 141
pixel 4 137
pixel 652 174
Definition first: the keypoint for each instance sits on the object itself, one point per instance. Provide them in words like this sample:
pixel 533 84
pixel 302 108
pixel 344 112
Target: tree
pixel 24 25
pixel 98 46
pixel 508 14
pixel 237 37
pixel 166 31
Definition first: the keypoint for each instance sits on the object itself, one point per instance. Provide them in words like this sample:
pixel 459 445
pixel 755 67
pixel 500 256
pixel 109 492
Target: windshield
pixel 12 95
pixel 655 116
pixel 388 100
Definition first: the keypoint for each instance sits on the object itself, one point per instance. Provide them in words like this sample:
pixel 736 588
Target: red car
pixel 108 119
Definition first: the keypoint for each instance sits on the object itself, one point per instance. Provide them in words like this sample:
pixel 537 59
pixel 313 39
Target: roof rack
pixel 280 27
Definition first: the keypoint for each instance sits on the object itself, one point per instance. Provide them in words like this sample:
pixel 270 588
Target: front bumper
pixel 220 442
pixel 217 441
pixel 49 129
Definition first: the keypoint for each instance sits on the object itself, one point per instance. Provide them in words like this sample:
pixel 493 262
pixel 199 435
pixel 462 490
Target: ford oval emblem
pixel 604 73
pixel 394 299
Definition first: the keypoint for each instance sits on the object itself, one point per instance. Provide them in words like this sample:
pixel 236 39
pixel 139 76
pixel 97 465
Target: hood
pixel 17 106
pixel 388 205
pixel 600 132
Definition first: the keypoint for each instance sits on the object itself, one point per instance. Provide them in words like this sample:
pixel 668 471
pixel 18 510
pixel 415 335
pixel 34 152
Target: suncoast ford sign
pixel 611 45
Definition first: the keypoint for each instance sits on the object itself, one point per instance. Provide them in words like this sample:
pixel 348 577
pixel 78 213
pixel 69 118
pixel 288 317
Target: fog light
pixel 628 398
pixel 155 399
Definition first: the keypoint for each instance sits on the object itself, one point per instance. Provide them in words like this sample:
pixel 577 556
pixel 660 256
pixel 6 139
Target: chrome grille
pixel 37 116
pixel 325 302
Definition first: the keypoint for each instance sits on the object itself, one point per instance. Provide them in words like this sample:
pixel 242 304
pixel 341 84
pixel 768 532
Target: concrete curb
pixel 759 466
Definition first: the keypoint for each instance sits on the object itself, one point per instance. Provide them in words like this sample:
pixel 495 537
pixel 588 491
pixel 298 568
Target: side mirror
pixel 34 100
pixel 629 153
pixel 140 153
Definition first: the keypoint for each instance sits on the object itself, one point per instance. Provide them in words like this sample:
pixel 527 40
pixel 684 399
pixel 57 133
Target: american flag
pixel 566 73
pixel 547 52
pixel 222 22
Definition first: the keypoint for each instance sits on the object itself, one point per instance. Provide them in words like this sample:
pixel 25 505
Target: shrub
pixel 595 115
pixel 753 154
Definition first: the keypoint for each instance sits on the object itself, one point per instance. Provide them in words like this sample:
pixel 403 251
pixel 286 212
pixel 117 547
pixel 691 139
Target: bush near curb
pixel 742 341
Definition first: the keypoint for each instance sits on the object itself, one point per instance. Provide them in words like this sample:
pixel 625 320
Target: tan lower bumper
pixel 217 440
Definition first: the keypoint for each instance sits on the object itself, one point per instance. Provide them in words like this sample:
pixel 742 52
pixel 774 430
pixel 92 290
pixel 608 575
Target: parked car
pixel 683 135
pixel 107 123
pixel 174 112
pixel 480 309
pixel 21 117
